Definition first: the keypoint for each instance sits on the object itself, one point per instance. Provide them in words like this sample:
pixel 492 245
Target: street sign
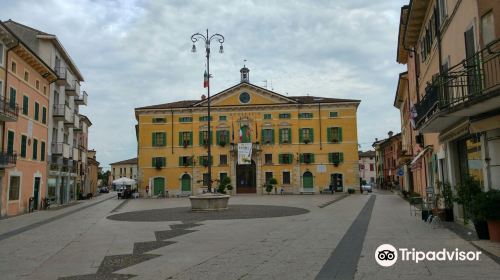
pixel 400 172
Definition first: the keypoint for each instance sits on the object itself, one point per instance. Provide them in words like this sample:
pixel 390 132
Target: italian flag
pixel 205 80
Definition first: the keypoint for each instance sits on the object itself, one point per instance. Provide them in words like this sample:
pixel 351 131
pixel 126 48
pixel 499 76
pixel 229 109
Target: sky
pixel 138 53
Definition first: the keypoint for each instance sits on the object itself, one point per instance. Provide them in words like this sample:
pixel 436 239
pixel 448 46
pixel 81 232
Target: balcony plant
pixel 306 141
pixel 222 143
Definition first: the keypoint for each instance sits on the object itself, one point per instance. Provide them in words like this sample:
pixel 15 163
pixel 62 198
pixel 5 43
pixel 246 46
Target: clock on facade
pixel 244 97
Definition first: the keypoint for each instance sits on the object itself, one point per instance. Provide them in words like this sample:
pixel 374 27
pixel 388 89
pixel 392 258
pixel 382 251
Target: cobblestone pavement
pixel 86 244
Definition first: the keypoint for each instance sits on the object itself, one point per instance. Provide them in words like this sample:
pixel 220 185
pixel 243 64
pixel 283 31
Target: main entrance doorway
pixel 307 180
pixel 158 186
pixel 36 192
pixel 186 183
pixel 246 179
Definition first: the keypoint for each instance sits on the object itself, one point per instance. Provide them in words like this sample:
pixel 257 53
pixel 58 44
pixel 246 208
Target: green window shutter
pixel 280 158
pixel 272 136
pixel 290 158
pixel 301 136
pixel 341 157
pixel 35 149
pixel 163 161
pixel 37 111
pixel 190 138
pixel 44 115
pixel 190 160
pixel 330 157
pixel 181 139
pixel 23 146
pixel 154 139
pixel 25 105
pixel 340 134
pixel 10 142
pixel 311 135
pixel 329 134
pixel 281 135
pixel 262 138
pixel 42 151
pixel 312 158
pixel 289 135
pixel 12 99
pixel 153 161
pixel 181 162
pixel 164 138
pixel 301 158
pixel 217 137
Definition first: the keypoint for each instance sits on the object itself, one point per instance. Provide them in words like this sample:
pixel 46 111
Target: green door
pixel 186 183
pixel 159 186
pixel 36 192
pixel 307 180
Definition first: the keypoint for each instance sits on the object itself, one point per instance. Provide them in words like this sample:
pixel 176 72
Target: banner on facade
pixel 244 153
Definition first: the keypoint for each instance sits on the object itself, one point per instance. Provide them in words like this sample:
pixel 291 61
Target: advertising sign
pixel 244 153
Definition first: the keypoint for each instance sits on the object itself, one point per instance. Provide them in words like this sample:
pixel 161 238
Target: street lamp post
pixel 206 39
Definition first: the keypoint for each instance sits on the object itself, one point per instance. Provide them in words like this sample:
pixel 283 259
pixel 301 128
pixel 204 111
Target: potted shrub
pixel 268 188
pixel 447 195
pixel 466 192
pixel 273 182
pixel 351 190
pixel 479 217
pixel 491 211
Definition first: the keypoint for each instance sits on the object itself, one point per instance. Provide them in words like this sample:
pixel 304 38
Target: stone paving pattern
pixel 88 245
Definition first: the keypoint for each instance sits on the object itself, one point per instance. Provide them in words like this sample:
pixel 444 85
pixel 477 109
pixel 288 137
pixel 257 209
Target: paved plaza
pixel 260 237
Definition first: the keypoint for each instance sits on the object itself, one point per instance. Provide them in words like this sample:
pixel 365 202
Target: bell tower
pixel 245 74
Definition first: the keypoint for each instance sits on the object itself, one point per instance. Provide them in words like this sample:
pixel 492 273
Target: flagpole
pixel 194 38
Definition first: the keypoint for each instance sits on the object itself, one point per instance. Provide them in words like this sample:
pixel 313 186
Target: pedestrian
pixel 361 189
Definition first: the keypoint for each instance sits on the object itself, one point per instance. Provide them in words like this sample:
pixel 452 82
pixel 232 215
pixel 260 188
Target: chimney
pixel 390 133
pixel 203 97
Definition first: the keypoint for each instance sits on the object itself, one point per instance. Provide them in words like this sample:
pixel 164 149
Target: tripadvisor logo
pixel 387 255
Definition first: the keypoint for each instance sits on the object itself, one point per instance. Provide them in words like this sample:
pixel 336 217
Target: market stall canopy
pixel 124 181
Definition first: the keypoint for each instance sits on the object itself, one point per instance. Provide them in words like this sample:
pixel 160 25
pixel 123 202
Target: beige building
pixel 367 171
pixel 125 168
pixel 91 180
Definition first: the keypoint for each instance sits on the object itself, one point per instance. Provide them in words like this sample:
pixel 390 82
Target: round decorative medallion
pixel 244 97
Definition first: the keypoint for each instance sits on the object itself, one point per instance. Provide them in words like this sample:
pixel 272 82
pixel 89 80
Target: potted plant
pixel 466 192
pixel 447 195
pixel 273 182
pixel 222 143
pixel 479 217
pixel 491 211
pixel 223 185
pixel 268 188
pixel 351 190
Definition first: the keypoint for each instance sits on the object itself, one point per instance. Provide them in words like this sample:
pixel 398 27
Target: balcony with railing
pixel 61 149
pixel 469 88
pixel 73 88
pixel 81 99
pixel 62 112
pixel 7 159
pixel 62 76
pixel 9 110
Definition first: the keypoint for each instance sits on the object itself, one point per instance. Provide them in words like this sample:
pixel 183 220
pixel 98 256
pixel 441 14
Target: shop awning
pixel 485 124
pixel 419 155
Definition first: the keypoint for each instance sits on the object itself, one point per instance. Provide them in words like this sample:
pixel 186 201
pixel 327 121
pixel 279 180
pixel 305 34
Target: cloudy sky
pixel 137 53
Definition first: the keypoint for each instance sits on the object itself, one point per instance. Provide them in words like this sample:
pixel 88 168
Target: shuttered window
pixel 159 139
pixel 306 135
pixel 336 158
pixel 24 139
pixel 267 136
pixel 185 138
pixel 285 136
pixel 334 134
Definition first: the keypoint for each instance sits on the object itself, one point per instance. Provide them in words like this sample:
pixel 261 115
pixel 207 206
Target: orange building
pixel 25 81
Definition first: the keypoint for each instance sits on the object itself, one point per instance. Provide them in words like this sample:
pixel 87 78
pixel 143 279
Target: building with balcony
pixel 25 79
pixel 387 153
pixel 367 171
pixel 64 125
pixel 307 143
pixel 450 96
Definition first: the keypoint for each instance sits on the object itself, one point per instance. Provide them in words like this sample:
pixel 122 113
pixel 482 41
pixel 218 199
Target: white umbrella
pixel 124 181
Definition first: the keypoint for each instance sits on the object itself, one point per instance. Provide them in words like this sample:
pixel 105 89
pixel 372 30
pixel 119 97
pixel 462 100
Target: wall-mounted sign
pixel 244 153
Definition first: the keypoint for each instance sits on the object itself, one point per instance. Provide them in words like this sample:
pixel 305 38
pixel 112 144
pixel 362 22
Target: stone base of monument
pixel 209 202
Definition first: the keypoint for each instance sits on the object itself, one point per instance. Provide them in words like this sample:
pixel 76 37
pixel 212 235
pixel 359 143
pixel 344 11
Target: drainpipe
pixel 172 126
pixel 320 127
pixel 5 88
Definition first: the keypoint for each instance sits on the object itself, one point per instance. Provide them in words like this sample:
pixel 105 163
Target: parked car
pixel 367 188
pixel 104 190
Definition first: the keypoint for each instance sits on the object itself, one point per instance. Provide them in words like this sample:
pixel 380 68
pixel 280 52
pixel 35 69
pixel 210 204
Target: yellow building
pixel 307 143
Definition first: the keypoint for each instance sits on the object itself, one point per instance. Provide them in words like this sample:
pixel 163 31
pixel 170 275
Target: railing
pixel 7 158
pixel 61 72
pixel 82 97
pixel 472 79
pixel 9 108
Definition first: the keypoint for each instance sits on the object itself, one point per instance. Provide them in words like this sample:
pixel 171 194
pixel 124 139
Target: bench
pixel 307 191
